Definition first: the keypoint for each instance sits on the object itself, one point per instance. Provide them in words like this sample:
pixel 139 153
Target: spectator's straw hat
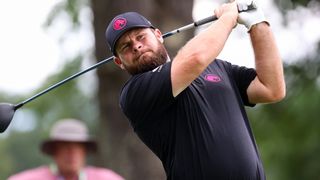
pixel 68 130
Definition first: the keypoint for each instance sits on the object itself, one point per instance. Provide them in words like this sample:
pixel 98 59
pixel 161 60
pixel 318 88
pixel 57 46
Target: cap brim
pixel 48 147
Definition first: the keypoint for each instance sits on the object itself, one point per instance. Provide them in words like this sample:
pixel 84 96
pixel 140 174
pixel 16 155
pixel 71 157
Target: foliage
pixel 287 132
pixel 286 5
pixel 71 8
pixel 20 148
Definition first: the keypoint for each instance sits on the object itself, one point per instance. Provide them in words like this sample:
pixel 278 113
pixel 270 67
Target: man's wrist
pixel 229 17
pixel 262 24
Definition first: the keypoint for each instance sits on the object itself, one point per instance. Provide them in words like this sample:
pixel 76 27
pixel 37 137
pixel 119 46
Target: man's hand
pixel 228 9
pixel 251 17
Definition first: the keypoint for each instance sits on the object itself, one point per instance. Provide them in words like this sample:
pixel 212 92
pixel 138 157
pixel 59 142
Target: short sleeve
pixel 243 76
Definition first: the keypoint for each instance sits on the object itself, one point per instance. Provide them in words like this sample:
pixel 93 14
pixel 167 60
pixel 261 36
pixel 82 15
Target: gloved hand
pixel 252 17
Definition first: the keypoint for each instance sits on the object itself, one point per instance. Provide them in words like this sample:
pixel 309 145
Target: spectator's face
pixel 140 50
pixel 69 157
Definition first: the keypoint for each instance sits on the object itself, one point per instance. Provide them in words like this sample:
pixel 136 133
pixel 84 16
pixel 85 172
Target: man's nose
pixel 137 46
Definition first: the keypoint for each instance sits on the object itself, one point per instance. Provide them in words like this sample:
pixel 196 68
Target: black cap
pixel 121 24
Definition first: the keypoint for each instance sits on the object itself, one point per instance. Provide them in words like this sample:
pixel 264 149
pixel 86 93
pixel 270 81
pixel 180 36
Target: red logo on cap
pixel 119 23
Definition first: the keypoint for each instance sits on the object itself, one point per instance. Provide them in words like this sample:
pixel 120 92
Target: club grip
pixel 213 18
pixel 205 20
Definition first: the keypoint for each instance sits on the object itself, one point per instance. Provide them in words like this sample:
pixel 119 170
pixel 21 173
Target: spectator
pixel 68 146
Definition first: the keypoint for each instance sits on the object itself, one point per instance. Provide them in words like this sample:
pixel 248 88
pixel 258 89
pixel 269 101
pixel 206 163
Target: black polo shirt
pixel 204 132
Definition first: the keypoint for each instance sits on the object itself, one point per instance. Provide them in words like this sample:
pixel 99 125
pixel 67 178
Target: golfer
pixel 68 146
pixel 189 109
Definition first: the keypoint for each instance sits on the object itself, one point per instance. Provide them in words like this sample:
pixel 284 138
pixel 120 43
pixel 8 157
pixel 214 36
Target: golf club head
pixel 6 114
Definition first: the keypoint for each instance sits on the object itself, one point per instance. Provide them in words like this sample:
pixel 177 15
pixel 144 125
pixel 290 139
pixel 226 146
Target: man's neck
pixel 69 176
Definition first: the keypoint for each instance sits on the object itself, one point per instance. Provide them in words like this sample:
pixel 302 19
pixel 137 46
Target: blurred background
pixel 42 42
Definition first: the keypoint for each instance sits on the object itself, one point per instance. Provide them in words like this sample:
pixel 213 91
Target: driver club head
pixel 6 114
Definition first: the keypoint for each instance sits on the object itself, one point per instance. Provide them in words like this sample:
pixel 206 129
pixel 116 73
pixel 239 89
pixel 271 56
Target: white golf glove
pixel 252 17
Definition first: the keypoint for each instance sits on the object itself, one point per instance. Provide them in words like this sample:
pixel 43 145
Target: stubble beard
pixel 149 62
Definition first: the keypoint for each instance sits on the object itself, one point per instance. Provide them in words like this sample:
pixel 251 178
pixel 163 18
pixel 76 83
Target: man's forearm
pixel 267 58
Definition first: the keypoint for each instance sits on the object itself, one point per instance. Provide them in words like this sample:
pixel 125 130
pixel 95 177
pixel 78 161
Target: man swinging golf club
pixel 190 110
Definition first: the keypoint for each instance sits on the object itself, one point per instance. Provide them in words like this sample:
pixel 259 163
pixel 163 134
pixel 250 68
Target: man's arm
pixel 269 85
pixel 200 51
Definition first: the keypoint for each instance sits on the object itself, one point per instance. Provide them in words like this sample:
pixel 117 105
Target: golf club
pixel 7 110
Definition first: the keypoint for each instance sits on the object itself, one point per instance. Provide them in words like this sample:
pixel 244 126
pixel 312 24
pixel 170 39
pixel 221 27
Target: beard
pixel 149 62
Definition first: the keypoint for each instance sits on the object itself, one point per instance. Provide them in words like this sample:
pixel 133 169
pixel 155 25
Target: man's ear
pixel 118 62
pixel 158 34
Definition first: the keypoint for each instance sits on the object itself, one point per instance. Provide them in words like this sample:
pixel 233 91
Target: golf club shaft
pixel 168 34
pixel 17 106
pixel 189 26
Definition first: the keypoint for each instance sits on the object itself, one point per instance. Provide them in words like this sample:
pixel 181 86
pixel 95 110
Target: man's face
pixel 69 157
pixel 140 50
